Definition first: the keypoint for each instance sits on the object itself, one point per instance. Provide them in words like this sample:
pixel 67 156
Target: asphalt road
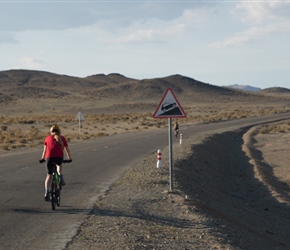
pixel 27 221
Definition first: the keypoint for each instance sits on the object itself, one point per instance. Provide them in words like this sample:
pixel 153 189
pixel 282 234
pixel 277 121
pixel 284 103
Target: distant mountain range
pixel 33 85
pixel 40 86
pixel 244 87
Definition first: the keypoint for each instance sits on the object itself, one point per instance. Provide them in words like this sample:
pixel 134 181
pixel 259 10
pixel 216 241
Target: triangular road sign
pixel 80 117
pixel 169 107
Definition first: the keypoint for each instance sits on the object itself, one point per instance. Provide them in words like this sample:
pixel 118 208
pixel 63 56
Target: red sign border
pixel 173 116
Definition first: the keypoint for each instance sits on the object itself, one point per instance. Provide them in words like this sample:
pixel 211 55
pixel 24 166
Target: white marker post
pixel 159 159
pixel 80 118
pixel 180 139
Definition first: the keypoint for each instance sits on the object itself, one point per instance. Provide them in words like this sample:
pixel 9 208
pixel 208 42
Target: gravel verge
pixel 217 203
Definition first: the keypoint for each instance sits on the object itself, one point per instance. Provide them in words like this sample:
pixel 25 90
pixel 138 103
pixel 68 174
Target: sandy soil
pixel 231 191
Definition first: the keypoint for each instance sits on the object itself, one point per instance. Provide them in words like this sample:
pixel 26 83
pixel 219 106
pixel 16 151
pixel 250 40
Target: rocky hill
pixel 34 84
pixel 277 90
pixel 43 91
pixel 244 87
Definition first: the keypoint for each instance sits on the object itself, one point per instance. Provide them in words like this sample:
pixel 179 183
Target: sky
pixel 217 42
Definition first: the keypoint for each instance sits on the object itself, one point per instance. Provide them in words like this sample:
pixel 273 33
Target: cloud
pixel 262 18
pixel 50 15
pixel 7 38
pixel 258 12
pixel 30 63
pixel 143 34
pixel 140 29
pixel 59 15
pixel 156 30
pixel 252 34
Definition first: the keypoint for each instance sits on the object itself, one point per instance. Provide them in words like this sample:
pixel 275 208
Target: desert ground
pixel 231 191
pixel 231 188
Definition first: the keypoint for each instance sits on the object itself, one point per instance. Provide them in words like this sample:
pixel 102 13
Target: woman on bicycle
pixel 176 128
pixel 54 145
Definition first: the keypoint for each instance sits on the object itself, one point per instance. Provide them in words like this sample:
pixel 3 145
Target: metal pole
pixel 170 154
pixel 79 128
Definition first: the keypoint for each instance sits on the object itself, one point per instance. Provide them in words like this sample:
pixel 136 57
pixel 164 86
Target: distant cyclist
pixel 176 129
pixel 54 145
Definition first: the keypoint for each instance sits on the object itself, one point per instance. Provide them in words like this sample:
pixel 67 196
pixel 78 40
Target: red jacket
pixel 53 149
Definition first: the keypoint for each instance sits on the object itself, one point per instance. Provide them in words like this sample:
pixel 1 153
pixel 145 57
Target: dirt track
pixel 233 201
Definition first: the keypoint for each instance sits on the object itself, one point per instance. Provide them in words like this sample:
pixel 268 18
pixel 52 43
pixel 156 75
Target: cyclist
pixel 176 128
pixel 54 145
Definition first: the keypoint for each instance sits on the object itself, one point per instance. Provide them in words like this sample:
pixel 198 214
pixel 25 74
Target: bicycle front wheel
pixel 57 197
pixel 53 197
pixel 53 202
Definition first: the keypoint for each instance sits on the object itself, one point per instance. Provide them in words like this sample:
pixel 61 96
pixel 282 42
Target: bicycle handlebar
pixel 64 161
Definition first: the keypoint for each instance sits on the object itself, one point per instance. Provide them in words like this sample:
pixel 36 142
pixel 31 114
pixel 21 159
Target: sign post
pixel 170 155
pixel 80 118
pixel 169 107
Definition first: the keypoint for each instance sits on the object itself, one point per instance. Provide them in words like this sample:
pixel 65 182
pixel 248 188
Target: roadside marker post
pixel 159 159
pixel 169 107
pixel 180 139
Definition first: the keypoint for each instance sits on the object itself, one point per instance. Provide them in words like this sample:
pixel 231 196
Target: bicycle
pixel 55 186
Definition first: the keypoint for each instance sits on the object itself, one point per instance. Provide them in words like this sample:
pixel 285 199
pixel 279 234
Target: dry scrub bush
pixel 97 125
pixel 16 138
pixel 36 119
pixel 4 127
pixel 35 134
pixel 280 128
